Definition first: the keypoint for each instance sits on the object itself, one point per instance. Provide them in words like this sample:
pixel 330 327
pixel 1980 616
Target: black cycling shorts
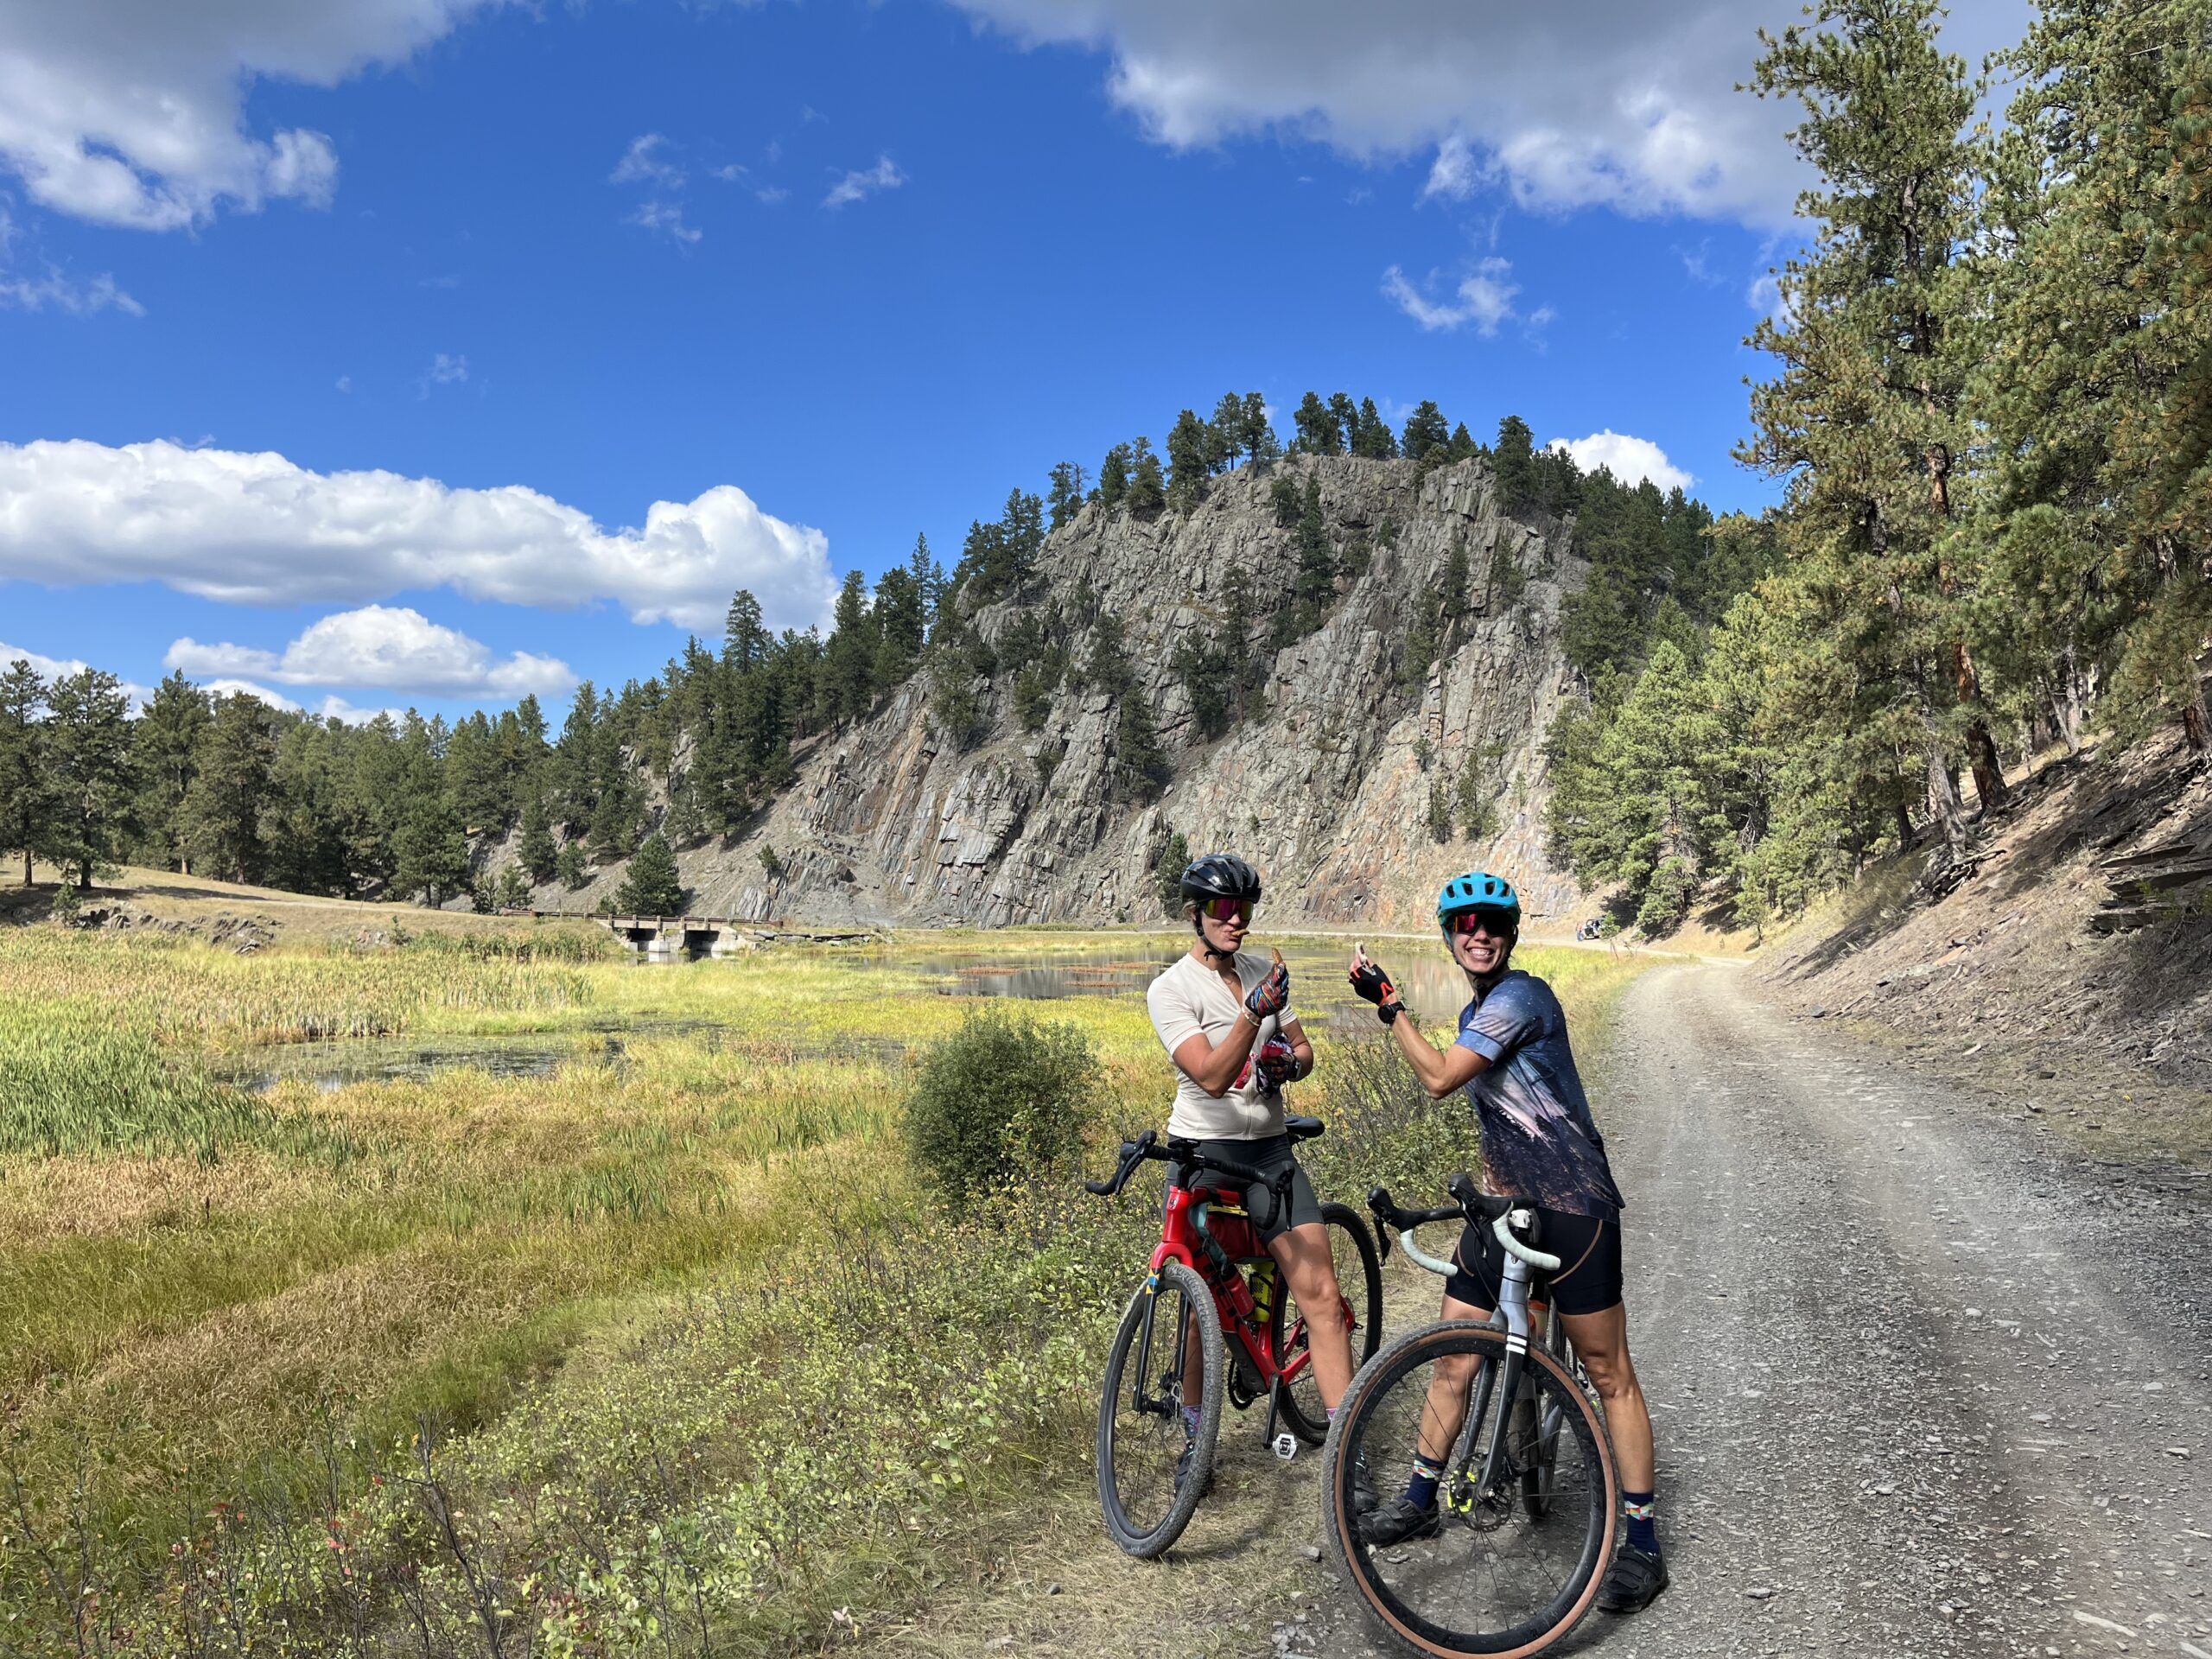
pixel 1589 1276
pixel 1263 1159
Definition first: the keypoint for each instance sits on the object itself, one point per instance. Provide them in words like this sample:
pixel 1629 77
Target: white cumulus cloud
pixel 51 669
pixel 857 187
pixel 131 112
pixel 1630 459
pixel 1483 297
pixel 1612 102
pixel 257 529
pixel 394 648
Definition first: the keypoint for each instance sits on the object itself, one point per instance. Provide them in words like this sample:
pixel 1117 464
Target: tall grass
pixel 669 1355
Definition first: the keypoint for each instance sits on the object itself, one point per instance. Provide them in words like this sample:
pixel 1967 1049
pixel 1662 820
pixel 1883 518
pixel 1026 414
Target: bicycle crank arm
pixel 1284 1444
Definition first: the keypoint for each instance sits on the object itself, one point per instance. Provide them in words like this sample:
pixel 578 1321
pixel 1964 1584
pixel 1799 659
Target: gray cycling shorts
pixel 1264 1160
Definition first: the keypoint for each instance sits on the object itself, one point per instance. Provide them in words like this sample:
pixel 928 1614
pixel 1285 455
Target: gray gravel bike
pixel 1529 1501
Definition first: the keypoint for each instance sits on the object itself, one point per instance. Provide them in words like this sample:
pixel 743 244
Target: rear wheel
pixel 1152 1471
pixel 1493 1578
pixel 1359 1279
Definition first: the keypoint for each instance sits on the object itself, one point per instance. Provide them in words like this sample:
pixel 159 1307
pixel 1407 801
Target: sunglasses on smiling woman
pixel 1495 923
pixel 1228 910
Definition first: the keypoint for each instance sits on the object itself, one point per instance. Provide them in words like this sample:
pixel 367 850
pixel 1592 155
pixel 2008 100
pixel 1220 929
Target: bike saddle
pixel 1303 1129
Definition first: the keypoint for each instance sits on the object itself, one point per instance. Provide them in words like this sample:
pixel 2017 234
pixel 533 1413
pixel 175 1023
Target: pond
pixel 1434 988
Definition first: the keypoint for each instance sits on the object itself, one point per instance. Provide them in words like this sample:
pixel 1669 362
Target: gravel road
pixel 1924 1383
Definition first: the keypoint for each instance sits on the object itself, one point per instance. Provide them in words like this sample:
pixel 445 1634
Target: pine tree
pixel 1319 433
pixel 1225 434
pixel 1371 434
pixel 1140 766
pixel 1463 447
pixel 23 798
pixel 1513 464
pixel 1147 488
pixel 652 885
pixel 568 864
pixel 536 851
pixel 1863 418
pixel 1064 498
pixel 849 661
pixel 745 639
pixel 1345 414
pixel 1114 477
pixel 1314 584
pixel 1426 437
pixel 88 782
pixel 1190 461
pixel 1168 867
pixel 221 819
pixel 1259 434
pixel 433 852
pixel 163 741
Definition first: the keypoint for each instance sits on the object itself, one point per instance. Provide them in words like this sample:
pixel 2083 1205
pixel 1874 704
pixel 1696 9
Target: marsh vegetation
pixel 661 1347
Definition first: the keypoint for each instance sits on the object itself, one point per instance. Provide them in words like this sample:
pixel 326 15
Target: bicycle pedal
pixel 1286 1445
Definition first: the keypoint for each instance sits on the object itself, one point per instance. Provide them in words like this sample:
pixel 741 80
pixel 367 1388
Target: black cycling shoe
pixel 1396 1522
pixel 1183 1465
pixel 1634 1582
pixel 1364 1498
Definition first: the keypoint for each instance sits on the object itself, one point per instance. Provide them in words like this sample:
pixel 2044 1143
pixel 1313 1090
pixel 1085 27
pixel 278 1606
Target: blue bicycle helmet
pixel 1478 890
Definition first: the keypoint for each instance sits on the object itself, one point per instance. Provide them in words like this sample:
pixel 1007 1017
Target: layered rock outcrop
pixel 1328 791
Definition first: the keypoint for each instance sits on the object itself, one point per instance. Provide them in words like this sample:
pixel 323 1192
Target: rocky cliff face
pixel 1328 793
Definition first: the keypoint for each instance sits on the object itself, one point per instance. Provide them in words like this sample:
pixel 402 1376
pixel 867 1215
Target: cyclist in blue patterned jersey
pixel 1540 1145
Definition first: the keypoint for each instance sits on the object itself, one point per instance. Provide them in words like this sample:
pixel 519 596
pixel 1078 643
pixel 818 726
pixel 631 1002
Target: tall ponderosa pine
pixel 1190 460
pixel 1114 477
pixel 87 771
pixel 1514 462
pixel 222 815
pixel 1064 496
pixel 1426 438
pixel 1863 420
pixel 1318 432
pixel 164 743
pixel 23 798
pixel 1147 486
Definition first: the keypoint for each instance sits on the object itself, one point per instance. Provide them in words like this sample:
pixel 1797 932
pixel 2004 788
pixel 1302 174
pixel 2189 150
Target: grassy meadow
pixel 664 1350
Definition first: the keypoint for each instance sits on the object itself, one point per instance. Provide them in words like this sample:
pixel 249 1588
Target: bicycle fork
pixel 1461 1494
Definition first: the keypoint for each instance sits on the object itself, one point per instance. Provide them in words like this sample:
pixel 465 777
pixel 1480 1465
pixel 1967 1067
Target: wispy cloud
pixel 665 218
pixel 1483 297
pixel 446 369
pixel 644 162
pixel 1456 173
pixel 857 187
pixel 59 292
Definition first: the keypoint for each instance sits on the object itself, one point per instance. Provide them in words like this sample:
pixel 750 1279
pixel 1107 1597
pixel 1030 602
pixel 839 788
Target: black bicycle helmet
pixel 1220 875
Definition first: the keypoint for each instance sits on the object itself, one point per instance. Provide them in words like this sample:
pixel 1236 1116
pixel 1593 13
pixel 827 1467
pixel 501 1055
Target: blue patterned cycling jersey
pixel 1538 1140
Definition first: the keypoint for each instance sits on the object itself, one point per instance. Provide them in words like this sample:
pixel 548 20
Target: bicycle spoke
pixel 1500 1564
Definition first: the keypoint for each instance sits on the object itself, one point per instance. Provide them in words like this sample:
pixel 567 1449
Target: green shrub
pixel 999 1100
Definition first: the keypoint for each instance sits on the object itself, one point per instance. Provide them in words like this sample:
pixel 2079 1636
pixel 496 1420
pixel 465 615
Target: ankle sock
pixel 1421 1490
pixel 1643 1529
pixel 1190 1419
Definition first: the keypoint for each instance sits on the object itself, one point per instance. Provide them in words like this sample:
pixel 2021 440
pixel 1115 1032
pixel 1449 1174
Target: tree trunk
pixel 1943 799
pixel 1904 823
pixel 27 866
pixel 1988 770
pixel 2197 724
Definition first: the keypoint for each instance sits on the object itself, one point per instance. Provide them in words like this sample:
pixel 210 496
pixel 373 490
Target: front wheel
pixel 1485 1576
pixel 1359 1280
pixel 1167 1354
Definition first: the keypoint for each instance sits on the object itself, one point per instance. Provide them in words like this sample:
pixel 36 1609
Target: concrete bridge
pixel 664 938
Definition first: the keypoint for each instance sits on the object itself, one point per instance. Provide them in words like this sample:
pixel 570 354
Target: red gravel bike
pixel 1213 1318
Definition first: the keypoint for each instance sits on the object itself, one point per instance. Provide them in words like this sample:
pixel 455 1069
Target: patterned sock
pixel 1190 1419
pixel 1421 1490
pixel 1642 1531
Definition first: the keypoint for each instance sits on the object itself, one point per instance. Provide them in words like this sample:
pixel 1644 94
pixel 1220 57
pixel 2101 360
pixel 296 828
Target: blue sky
pixel 870 265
